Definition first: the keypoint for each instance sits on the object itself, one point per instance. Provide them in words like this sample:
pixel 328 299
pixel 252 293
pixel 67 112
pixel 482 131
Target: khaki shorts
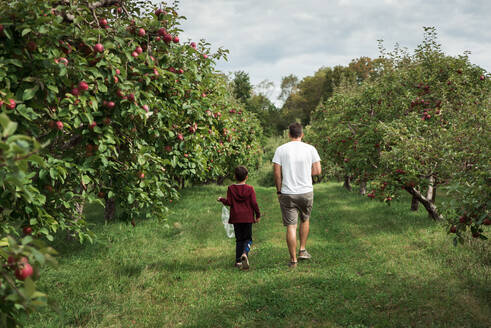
pixel 292 205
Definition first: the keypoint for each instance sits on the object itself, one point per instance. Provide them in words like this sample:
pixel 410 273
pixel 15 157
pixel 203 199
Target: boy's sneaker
pixel 304 255
pixel 245 262
pixel 292 265
pixel 238 265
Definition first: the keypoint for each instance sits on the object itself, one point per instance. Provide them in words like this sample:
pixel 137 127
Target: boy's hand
pixel 219 199
pixel 257 220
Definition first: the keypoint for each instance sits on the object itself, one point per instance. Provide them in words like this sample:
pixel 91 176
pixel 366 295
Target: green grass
pixel 373 266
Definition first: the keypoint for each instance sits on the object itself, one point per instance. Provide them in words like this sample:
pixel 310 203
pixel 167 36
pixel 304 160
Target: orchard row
pixel 103 102
pixel 421 124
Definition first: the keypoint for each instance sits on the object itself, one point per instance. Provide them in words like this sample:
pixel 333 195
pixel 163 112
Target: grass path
pixel 373 266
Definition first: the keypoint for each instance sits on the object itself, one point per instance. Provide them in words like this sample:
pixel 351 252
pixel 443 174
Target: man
pixel 294 164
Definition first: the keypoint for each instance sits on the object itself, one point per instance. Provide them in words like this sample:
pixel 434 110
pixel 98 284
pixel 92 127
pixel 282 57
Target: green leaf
pixel 25 31
pixel 53 88
pixel 30 93
pixel 9 129
pixel 86 179
pixel 29 287
pixel 43 29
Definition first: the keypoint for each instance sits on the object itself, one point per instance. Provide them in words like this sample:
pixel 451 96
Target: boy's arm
pixel 254 205
pixel 226 201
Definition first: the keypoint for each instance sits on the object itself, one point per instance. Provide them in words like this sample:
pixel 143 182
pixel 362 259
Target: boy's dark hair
pixel 241 173
pixel 295 130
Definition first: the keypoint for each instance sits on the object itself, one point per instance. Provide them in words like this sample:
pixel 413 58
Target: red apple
pixel 92 125
pixel 139 50
pixel 141 32
pixel 486 221
pixel 482 77
pixel 99 48
pixel 180 137
pixel 27 230
pixel 118 71
pixel 193 45
pixel 110 104
pixel 141 175
pixel 24 270
pixel 453 229
pixel 131 97
pixel 101 194
pixel 158 12
pixel 168 148
pixel 11 104
pixel 181 71
pixel 103 22
pixel 59 125
pixel 146 108
pixel 106 121
pixel 162 31
pixel 83 86
pixel 75 91
pixel 134 54
pixel 205 56
pixel 116 79
pixel 167 38
pixel 175 39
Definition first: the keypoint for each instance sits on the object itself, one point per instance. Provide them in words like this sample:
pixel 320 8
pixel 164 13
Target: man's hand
pixel 277 175
pixel 219 199
pixel 316 168
pixel 257 220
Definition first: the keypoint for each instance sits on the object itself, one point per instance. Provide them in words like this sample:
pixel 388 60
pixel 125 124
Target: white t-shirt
pixel 296 159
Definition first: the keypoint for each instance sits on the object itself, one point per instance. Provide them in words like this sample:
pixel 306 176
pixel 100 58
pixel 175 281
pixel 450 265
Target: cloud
pixel 272 39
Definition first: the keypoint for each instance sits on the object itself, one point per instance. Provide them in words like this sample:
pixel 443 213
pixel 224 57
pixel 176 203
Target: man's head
pixel 240 173
pixel 295 130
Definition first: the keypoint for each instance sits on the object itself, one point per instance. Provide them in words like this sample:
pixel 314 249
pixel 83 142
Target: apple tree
pixel 423 125
pixel 120 104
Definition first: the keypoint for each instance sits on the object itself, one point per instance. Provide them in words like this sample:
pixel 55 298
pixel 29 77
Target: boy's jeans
pixel 243 239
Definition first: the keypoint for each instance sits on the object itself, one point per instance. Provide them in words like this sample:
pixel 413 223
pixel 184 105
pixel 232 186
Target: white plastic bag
pixel 229 228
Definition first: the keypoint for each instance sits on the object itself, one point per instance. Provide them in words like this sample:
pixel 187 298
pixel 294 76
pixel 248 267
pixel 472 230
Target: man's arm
pixel 316 168
pixel 277 176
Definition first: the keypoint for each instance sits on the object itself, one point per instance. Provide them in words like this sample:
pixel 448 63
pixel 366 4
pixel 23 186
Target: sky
pixel 270 39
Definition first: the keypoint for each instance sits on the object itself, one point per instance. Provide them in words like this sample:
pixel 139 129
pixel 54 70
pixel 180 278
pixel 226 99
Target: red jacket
pixel 243 204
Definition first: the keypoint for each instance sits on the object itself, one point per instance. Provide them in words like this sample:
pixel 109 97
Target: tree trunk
pixel 429 206
pixel 431 193
pixel 414 204
pixel 110 209
pixel 347 181
pixel 363 188
pixel 220 180
pixel 79 207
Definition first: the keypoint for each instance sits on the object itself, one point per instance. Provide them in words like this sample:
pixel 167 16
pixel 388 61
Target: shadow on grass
pixel 342 299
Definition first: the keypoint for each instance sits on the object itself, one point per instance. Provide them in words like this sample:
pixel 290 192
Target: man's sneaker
pixel 292 264
pixel 245 262
pixel 238 265
pixel 304 255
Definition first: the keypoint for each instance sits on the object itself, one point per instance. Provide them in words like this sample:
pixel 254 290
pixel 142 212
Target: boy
pixel 244 211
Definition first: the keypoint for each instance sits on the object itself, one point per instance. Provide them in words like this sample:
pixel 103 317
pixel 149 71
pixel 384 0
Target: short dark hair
pixel 295 130
pixel 241 173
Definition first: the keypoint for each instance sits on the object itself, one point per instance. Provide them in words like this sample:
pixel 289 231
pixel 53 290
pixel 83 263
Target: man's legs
pixel 291 241
pixel 304 233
